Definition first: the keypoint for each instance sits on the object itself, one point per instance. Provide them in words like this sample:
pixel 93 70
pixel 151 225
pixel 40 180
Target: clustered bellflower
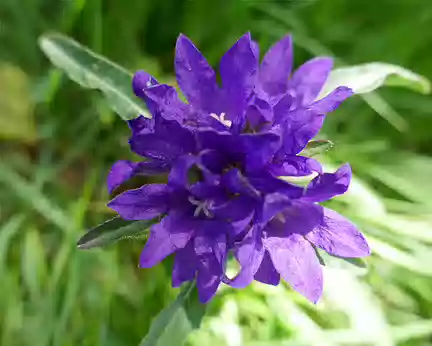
pixel 223 153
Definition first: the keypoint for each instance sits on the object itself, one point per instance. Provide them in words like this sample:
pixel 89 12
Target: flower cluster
pixel 223 153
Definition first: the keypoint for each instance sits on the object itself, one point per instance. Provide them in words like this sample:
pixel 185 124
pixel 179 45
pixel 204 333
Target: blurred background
pixel 58 141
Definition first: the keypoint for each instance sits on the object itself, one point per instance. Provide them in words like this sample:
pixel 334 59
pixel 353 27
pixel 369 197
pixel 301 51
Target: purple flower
pixel 161 142
pixel 282 242
pixel 200 222
pixel 223 153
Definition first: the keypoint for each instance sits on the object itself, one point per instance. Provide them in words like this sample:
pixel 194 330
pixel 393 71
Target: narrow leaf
pixel 93 71
pixel 317 147
pixel 111 231
pixel 369 77
pixel 173 325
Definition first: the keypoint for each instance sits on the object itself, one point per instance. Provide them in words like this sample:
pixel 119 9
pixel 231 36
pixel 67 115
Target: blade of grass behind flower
pixel 79 210
pixel 30 195
pixel 289 313
pixel 403 175
pixel 7 231
pixel 33 264
pixel 12 308
pixel 364 312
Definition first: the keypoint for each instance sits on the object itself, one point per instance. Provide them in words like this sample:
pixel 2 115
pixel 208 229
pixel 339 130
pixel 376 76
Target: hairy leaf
pixel 93 71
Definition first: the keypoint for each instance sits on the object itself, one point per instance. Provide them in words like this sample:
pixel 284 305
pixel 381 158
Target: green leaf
pixel 356 266
pixel 173 325
pixel 8 230
pixel 93 71
pixel 317 147
pixel 34 264
pixel 369 77
pixel 111 231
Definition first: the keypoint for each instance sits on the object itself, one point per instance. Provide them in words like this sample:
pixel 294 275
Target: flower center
pixel 221 119
pixel 201 206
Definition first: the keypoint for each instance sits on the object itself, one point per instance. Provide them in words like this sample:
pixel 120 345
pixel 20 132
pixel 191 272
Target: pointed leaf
pixel 317 147
pixel 173 325
pixel 111 231
pixel 93 71
pixel 368 77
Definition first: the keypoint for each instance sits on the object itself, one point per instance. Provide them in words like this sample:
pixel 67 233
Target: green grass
pixel 59 140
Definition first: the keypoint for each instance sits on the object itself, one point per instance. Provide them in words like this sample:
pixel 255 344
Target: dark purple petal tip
pixel 276 67
pixel 141 81
pixel 332 101
pixel 328 185
pixel 119 173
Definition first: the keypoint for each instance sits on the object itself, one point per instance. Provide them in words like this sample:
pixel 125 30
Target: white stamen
pixel 194 201
pixel 201 206
pixel 221 119
pixel 207 212
pixel 198 210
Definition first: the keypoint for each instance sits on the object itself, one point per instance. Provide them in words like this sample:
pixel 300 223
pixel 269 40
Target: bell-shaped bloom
pixel 222 153
pixel 283 240
pixel 199 223
pixel 252 95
